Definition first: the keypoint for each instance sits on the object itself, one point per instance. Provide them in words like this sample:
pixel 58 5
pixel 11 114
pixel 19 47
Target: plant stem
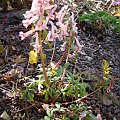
pixel 42 59
pixel 64 70
pixel 53 51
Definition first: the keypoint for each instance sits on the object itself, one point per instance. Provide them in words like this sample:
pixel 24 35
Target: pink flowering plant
pixel 40 16
pixel 116 2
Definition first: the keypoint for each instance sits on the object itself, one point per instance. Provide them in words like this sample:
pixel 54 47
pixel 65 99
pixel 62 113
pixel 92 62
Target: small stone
pixel 1 8
pixel 109 114
pixel 92 102
pixel 116 111
pixel 118 115
pixel 88 58
pixel 106 101
pixel 109 109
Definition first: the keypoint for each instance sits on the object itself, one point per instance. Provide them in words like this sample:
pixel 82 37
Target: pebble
pixel 92 101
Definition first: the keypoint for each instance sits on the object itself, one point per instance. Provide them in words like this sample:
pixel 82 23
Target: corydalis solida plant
pixel 40 15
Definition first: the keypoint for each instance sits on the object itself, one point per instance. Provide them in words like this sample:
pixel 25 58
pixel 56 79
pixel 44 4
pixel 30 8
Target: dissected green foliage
pixel 102 20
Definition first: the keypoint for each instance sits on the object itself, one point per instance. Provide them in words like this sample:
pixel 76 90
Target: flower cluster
pixel 42 13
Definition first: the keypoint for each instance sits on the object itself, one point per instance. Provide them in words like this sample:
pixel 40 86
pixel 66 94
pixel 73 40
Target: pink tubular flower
pixel 99 117
pixel 114 3
pixel 51 12
pixel 52 34
pixel 118 2
pixel 63 27
pixel 73 23
pixel 37 46
pixel 60 15
pixel 24 35
pixel 28 14
pixel 53 28
pixel 26 22
pixel 35 4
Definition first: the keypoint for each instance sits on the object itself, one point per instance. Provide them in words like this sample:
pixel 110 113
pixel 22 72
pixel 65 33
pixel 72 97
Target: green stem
pixel 42 59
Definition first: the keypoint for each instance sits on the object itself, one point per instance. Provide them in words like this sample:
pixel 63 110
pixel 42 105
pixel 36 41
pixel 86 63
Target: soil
pixel 96 47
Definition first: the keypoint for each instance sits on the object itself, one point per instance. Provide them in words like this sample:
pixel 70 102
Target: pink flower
pixel 114 3
pixel 52 34
pixel 73 23
pixel 53 28
pixel 63 27
pixel 99 117
pixel 35 4
pixel 37 46
pixel 26 23
pixel 24 35
pixel 60 15
pixel 28 14
pixel 51 12
pixel 78 44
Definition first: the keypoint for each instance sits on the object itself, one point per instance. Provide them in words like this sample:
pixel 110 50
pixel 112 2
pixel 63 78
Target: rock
pixel 106 101
pixel 92 101
pixel 1 8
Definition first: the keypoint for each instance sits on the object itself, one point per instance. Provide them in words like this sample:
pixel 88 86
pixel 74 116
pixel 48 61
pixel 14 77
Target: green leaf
pixel 66 65
pixel 93 117
pixel 44 56
pixel 46 118
pixel 49 113
pixel 59 72
pixel 69 91
pixel 48 43
pixel 46 95
pixel 30 97
pixel 44 34
pixel 50 92
pixel 57 105
pixel 1 49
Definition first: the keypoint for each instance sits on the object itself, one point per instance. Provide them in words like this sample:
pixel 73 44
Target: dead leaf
pixel 117 14
pixel 1 49
pixel 20 59
pixel 15 72
pixel 45 107
pixel 13 48
pixel 106 101
pixel 5 116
